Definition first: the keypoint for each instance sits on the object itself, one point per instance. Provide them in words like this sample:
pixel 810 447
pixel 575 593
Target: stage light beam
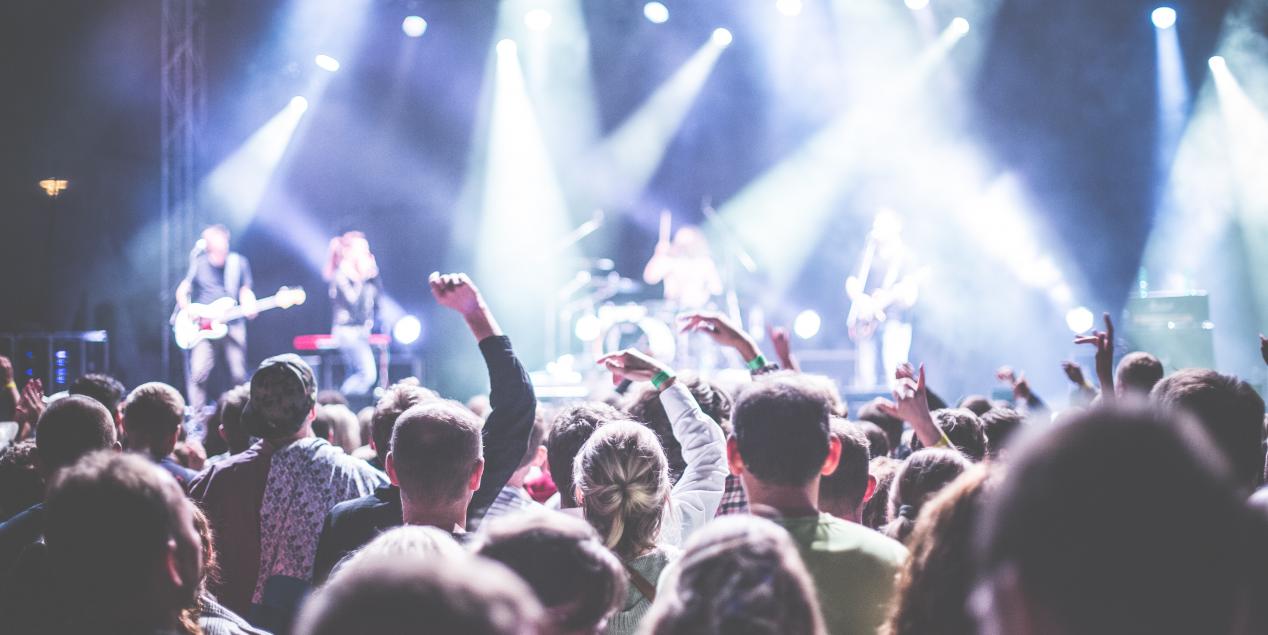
pixel 236 186
pixel 1163 17
pixel 538 19
pixel 656 13
pixel 790 8
pixel 960 26
pixel 721 37
pixel 414 26
pixel 326 63
pixel 916 5
pixel 1079 319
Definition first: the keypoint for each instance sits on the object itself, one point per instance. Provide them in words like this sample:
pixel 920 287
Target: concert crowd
pixel 673 504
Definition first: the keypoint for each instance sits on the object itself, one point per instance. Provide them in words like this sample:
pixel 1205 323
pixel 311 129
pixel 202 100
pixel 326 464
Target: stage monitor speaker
pixel 58 358
pixel 1175 327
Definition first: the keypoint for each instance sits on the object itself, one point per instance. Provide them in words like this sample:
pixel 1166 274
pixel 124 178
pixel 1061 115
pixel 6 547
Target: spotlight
pixel 298 102
pixel 414 26
pixel 960 26
pixel 406 330
pixel 721 37
pixel 326 63
pixel 54 187
pixel 507 47
pixel 916 5
pixel 807 324
pixel 1079 319
pixel 538 19
pixel 588 328
pixel 1164 17
pixel 790 8
pixel 656 12
pixel 1217 63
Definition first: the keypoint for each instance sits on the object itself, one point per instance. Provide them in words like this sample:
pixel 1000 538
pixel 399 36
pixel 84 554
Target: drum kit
pixel 600 313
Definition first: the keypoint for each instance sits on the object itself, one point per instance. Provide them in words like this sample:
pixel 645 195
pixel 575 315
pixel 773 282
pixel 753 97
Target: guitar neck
pixel 261 305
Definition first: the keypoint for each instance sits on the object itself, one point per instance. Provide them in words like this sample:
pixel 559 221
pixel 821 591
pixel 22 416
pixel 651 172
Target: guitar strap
pixel 233 274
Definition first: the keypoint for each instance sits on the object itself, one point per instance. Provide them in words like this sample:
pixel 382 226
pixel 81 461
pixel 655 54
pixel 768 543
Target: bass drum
pixel 646 334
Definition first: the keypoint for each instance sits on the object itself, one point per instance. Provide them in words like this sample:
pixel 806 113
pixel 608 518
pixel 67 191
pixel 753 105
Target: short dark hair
pixel 963 429
pixel 782 429
pixel 536 439
pixel 228 416
pixel 876 510
pixel 999 425
pixel 576 578
pixel 396 595
pixel 919 479
pixel 571 429
pixel 877 440
pixel 1087 521
pixel 330 396
pixel 71 427
pixel 435 445
pixel 647 408
pixel 398 398
pixel 102 387
pixel 1228 408
pixel 893 426
pixel 107 523
pixel 154 411
pixel 1138 373
pixel 849 482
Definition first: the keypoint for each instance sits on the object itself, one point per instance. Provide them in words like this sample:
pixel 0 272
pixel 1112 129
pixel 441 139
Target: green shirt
pixel 854 569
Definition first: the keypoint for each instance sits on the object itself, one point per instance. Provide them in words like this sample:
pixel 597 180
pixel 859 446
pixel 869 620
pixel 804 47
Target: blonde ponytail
pixel 623 478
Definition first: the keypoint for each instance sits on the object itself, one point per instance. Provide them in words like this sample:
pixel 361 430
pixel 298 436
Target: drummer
pixel 685 266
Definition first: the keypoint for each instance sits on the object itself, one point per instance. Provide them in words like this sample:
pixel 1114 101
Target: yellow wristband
pixel 10 386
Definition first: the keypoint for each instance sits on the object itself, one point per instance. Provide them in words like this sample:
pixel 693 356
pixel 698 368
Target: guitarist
pixel 214 273
pixel 880 293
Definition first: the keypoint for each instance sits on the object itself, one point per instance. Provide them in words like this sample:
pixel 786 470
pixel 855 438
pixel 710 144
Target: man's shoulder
pixel 828 534
pixel 380 500
pixel 231 468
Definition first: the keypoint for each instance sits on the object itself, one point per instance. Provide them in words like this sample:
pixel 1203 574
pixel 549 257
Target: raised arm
pixel 1104 343
pixel 718 327
pixel 698 492
pixel 511 396
pixel 911 404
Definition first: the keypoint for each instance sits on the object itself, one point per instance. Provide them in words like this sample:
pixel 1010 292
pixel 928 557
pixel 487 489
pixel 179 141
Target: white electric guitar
pixel 198 322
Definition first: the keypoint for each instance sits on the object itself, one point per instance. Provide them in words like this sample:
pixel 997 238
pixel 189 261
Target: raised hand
pixel 721 330
pixel 1074 372
pixel 456 291
pixel 1104 343
pixel 783 347
pixel 633 365
pixel 30 406
pixel 911 404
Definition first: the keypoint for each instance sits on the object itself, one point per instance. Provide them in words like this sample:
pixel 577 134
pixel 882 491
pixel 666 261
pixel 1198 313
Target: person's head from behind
pixel 977 404
pixel 436 457
pixel 570 430
pixel 844 492
pixel 152 417
pixel 893 426
pixel 283 399
pixel 331 397
pixel 337 424
pixel 934 585
pixel 1137 374
pixel 407 594
pixel 963 429
pixel 216 242
pixel 398 398
pixel 648 408
pixel 21 484
pixel 1228 408
pixel 104 388
pixel 403 541
pixel 123 546
pixel 877 440
pixel 229 418
pixel 738 574
pixel 1082 535
pixel 782 441
pixel 576 579
pixel 622 485
pixel 69 428
pixel 1000 425
pixel 919 479
pixel 876 510
pixel 535 454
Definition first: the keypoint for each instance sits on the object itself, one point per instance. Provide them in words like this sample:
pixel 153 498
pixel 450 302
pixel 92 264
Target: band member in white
pixel 215 272
pixel 353 275
pixel 881 293
pixel 685 266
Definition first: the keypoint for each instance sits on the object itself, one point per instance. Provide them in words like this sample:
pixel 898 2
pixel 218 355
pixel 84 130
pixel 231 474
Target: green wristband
pixel 660 378
pixel 757 363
